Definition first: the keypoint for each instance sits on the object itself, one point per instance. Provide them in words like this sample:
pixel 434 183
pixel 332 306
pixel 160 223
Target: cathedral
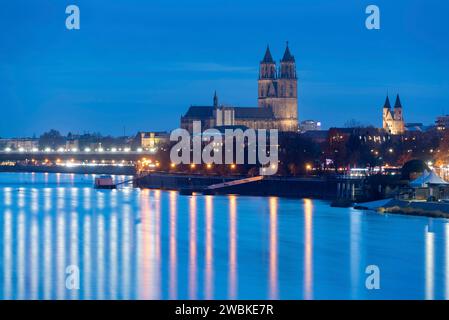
pixel 277 101
pixel 393 121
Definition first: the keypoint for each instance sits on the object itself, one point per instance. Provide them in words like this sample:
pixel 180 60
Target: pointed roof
pixel 428 178
pixel 215 99
pixel 387 103
pixel 398 104
pixel 288 57
pixel 268 58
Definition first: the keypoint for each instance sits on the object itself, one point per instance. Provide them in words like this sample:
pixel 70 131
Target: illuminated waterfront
pixel 150 244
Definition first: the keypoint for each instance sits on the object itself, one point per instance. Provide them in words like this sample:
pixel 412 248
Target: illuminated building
pixel 277 101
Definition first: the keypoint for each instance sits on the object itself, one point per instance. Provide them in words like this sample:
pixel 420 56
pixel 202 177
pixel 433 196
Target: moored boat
pixel 104 182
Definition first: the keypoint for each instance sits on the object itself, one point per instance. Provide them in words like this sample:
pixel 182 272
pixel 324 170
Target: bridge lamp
pixel 47 149
pixel 35 150
pixel 127 149
pixel 100 149
pixel 233 166
pixel 74 150
pixel 139 149
pixel 209 166
pixel 61 150
pixel 87 150
pixel 113 149
pixel 7 149
pixel 172 165
pixel 21 149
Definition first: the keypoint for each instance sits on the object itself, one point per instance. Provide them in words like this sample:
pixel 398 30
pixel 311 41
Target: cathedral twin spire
pixel 397 103
pixel 393 120
pixel 268 66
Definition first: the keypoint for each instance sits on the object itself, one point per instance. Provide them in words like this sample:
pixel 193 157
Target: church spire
pixel 397 104
pixel 215 99
pixel 268 58
pixel 288 57
pixel 267 66
pixel 288 68
pixel 387 104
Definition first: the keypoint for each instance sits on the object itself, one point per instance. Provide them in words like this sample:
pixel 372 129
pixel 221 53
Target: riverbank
pixel 106 169
pixel 414 208
pixel 291 187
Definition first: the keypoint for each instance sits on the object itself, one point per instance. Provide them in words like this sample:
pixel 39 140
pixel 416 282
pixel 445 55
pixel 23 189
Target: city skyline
pixel 142 65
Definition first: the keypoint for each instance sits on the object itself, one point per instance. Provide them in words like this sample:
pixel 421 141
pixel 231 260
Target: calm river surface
pixel 150 244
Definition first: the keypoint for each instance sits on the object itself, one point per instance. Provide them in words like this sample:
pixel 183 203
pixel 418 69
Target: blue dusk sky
pixel 139 64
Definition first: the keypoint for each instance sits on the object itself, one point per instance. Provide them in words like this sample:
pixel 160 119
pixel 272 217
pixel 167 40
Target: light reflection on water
pixel 151 244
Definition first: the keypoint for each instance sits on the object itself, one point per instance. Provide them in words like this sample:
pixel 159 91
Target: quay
pixel 328 188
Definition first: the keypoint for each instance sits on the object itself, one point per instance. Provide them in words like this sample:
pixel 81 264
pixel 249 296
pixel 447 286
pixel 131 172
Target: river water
pixel 62 239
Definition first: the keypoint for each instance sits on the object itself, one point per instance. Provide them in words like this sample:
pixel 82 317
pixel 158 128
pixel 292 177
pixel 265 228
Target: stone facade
pixel 393 121
pixel 277 101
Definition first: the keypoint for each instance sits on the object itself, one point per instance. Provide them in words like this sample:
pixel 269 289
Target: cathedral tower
pixel 278 90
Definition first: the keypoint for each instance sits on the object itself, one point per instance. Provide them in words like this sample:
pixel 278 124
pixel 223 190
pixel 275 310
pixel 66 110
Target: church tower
pixel 267 80
pixel 387 118
pixel 278 90
pixel 398 116
pixel 286 107
pixel 393 121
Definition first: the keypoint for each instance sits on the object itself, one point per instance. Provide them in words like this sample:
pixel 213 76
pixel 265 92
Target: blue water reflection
pixel 151 244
